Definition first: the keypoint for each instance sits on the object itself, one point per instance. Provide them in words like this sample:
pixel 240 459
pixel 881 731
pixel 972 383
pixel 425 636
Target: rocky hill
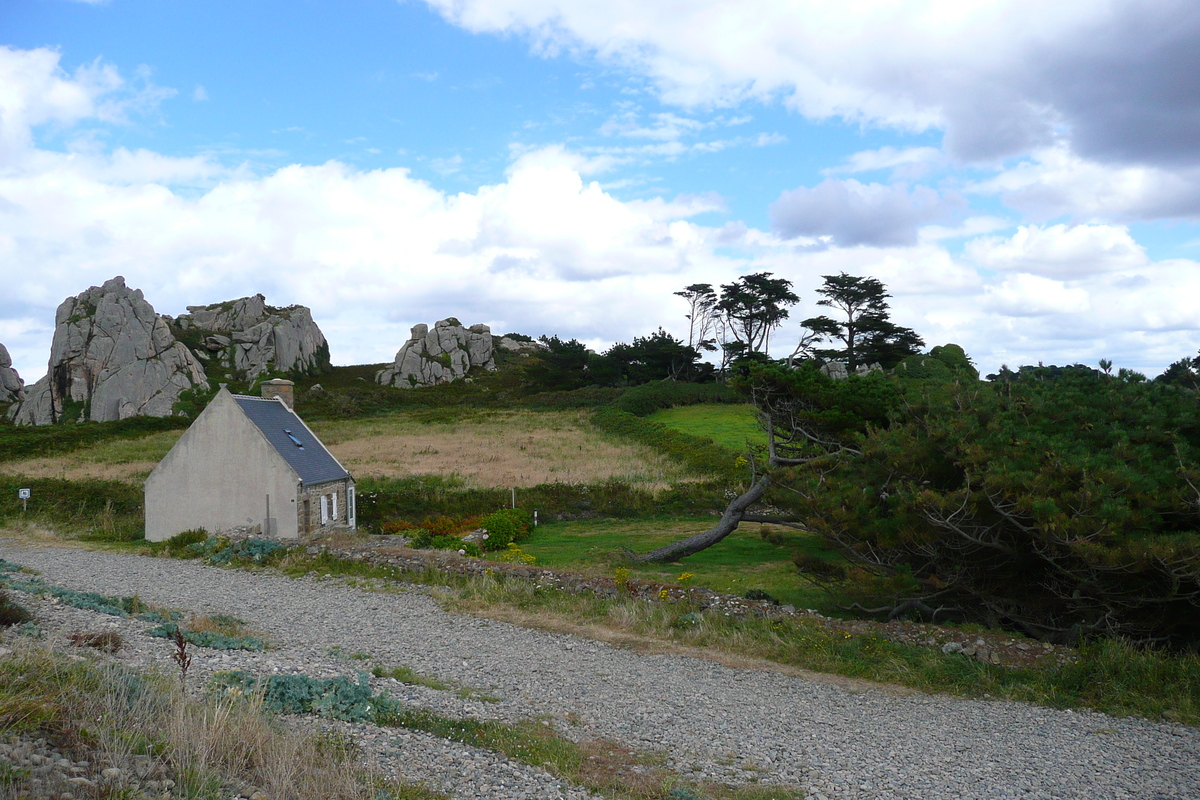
pixel 445 353
pixel 246 338
pixel 12 388
pixel 112 358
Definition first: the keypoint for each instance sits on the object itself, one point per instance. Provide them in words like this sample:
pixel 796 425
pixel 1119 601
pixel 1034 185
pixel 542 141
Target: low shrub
pixel 220 551
pixel 12 613
pixel 181 540
pixel 506 526
pixel 336 698
pixel 382 500
pixel 29 441
pixel 424 540
pixel 515 555
pixel 89 601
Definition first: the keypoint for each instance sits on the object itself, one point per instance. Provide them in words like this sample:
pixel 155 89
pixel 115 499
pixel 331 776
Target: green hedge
pixel 702 455
pixel 414 499
pixel 650 397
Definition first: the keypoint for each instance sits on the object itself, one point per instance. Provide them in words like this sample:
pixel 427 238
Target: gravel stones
pixel 711 721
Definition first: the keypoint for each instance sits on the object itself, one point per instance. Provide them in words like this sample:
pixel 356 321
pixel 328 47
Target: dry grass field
pixel 494 449
pixel 128 460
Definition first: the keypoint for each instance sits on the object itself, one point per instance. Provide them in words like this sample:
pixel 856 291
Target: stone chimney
pixel 285 390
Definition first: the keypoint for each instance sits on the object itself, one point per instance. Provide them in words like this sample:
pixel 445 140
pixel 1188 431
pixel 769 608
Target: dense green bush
pixel 384 500
pixel 506 526
pixel 178 544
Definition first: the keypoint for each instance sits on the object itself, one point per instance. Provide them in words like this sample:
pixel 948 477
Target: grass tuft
pixel 210 748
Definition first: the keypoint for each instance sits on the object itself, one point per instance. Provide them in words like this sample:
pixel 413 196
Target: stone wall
pixel 308 508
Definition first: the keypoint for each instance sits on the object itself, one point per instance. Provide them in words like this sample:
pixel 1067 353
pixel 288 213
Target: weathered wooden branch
pixel 735 512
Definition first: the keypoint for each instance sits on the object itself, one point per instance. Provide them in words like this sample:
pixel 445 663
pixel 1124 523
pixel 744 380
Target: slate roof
pixel 292 439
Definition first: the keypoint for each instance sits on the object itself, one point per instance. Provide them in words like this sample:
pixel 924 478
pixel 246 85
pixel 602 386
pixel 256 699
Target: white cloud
pixel 35 91
pixel 1023 295
pixel 912 162
pixel 1060 251
pixel 199 94
pixel 999 77
pixel 1056 182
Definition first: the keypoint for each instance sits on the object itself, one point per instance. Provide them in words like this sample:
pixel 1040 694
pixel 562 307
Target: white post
pixel 514 497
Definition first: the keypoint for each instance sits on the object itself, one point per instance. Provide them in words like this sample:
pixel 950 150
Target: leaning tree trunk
pixel 728 524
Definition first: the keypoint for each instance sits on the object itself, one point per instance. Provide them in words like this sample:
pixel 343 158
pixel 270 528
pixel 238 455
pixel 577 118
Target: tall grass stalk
pixel 210 748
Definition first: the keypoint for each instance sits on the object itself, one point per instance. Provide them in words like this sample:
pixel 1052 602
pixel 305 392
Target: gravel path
pixel 714 722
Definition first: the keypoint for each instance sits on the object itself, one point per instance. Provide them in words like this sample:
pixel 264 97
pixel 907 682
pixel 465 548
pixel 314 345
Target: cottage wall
pixel 219 477
pixel 308 511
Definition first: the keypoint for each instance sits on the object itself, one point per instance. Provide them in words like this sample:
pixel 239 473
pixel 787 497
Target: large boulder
pixel 12 388
pixel 247 337
pixel 443 354
pixel 112 358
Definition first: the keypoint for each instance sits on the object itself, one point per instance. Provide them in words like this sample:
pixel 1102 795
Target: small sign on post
pixel 23 494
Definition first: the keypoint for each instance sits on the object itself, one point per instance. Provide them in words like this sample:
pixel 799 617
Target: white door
pixel 324 509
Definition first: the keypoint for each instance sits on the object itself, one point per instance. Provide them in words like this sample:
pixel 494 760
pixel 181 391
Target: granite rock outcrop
pixel 12 388
pixel 112 358
pixel 249 338
pixel 442 354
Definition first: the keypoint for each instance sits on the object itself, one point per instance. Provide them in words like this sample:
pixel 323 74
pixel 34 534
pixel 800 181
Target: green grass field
pixel 728 425
pixel 743 561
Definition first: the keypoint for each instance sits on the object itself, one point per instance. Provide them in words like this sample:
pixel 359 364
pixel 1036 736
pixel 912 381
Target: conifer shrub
pixel 1059 502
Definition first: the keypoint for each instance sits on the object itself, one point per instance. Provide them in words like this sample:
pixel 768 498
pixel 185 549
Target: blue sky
pixel 564 167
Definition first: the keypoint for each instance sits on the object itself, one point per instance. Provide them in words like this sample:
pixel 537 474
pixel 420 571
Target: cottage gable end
pixel 222 474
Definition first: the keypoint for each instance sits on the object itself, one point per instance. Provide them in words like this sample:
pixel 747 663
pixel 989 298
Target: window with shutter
pixel 335 514
pixel 324 509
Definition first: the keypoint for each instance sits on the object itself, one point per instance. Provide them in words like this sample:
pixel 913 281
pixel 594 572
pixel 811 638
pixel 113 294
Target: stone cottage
pixel 249 464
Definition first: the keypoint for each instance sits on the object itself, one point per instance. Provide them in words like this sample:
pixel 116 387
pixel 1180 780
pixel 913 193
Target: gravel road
pixel 713 721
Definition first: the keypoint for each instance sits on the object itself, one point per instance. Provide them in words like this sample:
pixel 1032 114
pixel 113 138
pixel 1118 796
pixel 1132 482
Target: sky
pixel 1023 176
